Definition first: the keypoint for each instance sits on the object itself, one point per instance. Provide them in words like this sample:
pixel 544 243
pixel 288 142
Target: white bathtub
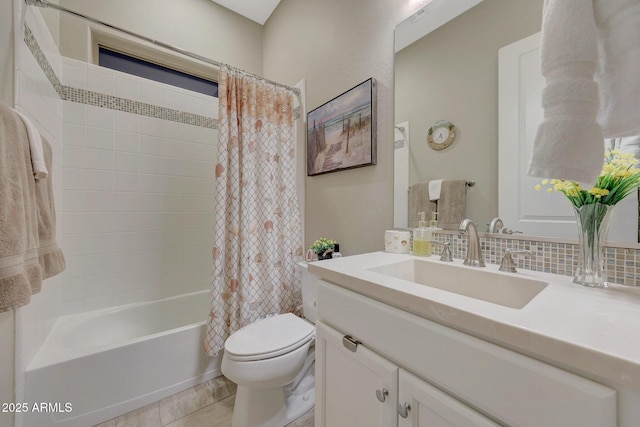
pixel 108 362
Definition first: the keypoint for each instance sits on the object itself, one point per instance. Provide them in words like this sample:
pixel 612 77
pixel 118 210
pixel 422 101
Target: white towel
pixel 590 55
pixel 35 145
pixel 435 187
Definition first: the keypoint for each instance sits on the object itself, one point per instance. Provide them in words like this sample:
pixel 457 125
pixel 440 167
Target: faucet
pixel 474 252
pixel 507 263
pixel 495 226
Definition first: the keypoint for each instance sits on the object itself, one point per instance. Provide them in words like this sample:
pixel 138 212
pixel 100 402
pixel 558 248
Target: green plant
pixel 619 177
pixel 323 245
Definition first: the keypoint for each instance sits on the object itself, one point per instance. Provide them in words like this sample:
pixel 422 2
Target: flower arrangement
pixel 323 247
pixel 619 177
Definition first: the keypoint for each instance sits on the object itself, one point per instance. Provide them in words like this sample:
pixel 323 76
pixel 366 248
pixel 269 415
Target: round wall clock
pixel 441 134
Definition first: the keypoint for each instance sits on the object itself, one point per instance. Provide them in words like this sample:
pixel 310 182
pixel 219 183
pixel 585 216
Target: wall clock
pixel 441 134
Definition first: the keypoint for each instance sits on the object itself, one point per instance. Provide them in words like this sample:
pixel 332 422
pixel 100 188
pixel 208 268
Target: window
pixel 148 70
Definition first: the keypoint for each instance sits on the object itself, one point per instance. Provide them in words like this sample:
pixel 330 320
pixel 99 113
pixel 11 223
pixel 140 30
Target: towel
pixel 26 215
pixel 590 54
pixel 452 203
pixel 435 187
pixel 50 256
pixel 451 206
pixel 40 169
pixel 20 272
pixel 419 202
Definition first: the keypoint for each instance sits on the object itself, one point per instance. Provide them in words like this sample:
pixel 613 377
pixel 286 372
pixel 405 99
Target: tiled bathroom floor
pixel 208 404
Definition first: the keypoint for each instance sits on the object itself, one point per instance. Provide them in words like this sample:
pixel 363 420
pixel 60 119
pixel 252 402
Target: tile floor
pixel 209 404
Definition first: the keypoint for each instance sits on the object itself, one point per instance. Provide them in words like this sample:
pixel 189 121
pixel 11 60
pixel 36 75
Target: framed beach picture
pixel 341 134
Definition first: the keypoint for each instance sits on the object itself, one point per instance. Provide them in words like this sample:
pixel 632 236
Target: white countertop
pixel 595 332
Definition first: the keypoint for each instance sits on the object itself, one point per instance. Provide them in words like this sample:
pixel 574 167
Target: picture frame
pixel 341 133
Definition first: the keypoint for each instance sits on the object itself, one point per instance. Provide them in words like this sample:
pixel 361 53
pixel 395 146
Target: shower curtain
pixel 257 230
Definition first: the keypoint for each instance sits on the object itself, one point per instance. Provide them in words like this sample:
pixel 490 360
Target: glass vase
pixel 593 226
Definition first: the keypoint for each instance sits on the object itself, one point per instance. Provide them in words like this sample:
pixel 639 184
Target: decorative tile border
pixel 82 96
pixel 622 265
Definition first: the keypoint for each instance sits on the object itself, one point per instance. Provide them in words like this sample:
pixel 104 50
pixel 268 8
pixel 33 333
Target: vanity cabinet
pixel 361 388
pixel 358 388
pixel 446 377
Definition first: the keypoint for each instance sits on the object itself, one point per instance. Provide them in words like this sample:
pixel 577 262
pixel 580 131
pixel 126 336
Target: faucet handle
pixel 507 263
pixel 446 250
pixel 510 231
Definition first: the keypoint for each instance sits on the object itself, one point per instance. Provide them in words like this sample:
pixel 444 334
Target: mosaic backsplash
pixel 622 265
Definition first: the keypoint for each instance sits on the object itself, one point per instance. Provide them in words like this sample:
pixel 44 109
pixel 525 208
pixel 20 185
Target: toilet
pixel 272 361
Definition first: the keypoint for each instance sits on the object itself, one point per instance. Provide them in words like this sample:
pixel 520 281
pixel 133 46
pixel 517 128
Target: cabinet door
pixel 353 388
pixel 430 407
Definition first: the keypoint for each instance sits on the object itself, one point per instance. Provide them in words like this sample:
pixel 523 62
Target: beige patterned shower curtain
pixel 257 230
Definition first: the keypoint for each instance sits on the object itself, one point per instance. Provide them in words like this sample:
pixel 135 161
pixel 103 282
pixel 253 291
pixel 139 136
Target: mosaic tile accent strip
pixel 622 265
pixel 42 60
pixel 82 96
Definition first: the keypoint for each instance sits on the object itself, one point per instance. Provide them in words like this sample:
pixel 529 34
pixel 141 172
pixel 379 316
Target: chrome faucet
pixel 495 226
pixel 474 252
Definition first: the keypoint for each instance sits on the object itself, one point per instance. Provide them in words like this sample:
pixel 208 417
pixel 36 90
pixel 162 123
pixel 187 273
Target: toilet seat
pixel 268 338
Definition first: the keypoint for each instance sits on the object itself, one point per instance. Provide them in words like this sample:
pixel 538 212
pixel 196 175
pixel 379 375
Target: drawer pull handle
pixel 350 343
pixel 403 409
pixel 382 394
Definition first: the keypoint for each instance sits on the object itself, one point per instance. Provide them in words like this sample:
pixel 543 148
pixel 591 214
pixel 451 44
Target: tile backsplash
pixel 622 265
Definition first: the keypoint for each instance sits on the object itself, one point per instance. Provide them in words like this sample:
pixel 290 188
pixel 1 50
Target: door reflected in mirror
pixel 452 73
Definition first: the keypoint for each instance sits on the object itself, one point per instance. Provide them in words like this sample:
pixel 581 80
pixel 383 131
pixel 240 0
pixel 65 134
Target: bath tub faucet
pixel 474 256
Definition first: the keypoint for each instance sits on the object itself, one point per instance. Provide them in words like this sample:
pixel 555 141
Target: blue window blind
pixel 148 70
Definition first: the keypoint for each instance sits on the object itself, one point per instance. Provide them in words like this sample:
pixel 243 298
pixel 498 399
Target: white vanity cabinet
pixel 357 388
pixel 361 388
pixel 447 378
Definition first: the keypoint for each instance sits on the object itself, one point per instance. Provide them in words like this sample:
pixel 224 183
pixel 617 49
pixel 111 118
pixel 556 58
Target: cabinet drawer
pixel 505 385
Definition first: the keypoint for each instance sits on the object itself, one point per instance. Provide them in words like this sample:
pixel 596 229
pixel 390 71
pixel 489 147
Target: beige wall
pixel 335 45
pixel 199 26
pixel 7 337
pixel 452 74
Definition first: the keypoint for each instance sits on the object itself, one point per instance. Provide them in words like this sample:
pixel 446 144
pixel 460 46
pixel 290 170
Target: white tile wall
pixel 133 194
pixel 139 194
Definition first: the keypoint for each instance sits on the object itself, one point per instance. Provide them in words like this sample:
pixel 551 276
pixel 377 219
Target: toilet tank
pixel 309 285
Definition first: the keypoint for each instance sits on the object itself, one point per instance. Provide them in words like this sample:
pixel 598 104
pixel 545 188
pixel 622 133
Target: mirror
pixel 451 74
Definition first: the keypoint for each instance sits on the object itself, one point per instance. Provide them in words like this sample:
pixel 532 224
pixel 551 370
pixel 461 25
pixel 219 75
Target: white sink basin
pixel 503 289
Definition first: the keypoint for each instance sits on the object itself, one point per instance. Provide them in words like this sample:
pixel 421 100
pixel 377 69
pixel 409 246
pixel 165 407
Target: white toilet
pixel 272 361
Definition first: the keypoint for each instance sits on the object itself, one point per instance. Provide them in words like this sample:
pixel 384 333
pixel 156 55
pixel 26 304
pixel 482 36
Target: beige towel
pixel 26 215
pixel 20 272
pixel 451 206
pixel 452 203
pixel 50 255
pixel 419 202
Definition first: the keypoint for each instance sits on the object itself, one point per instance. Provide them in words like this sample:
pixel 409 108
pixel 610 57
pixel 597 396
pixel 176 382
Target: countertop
pixel 594 332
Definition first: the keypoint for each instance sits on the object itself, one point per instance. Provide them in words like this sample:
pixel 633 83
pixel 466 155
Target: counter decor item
pixel 397 241
pixel 620 176
pixel 324 248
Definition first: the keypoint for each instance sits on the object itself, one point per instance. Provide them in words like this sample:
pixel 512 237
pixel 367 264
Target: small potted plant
pixel 323 247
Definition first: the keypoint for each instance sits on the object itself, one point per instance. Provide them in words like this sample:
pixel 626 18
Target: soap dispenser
pixel 433 224
pixel 422 238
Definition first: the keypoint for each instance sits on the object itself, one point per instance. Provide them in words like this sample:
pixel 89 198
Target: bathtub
pixel 97 365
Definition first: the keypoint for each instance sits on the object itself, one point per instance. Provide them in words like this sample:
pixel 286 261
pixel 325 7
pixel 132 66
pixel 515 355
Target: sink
pixel 498 288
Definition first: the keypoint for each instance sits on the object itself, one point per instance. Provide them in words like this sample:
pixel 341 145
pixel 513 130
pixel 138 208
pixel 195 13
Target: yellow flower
pixel 619 177
pixel 599 192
